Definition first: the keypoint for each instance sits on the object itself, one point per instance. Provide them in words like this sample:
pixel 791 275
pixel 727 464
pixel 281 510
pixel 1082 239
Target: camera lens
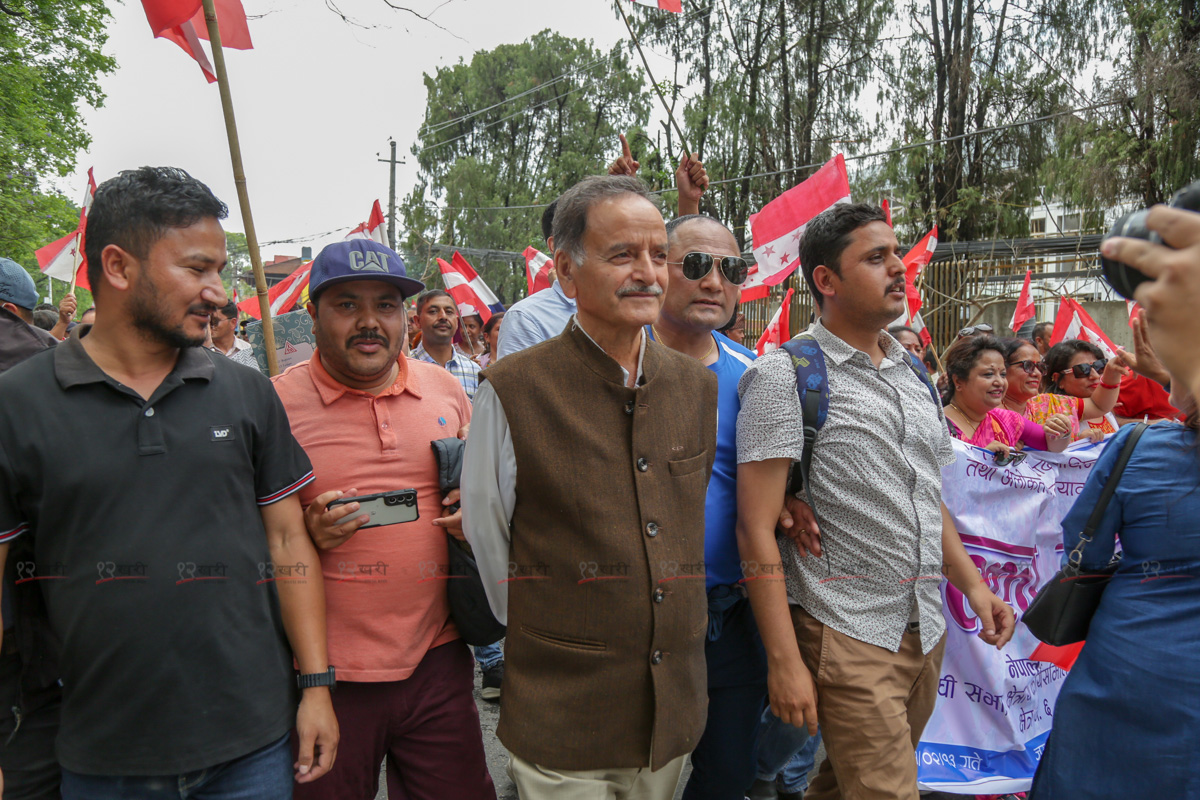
pixel 1122 277
pixel 1187 198
pixel 391 501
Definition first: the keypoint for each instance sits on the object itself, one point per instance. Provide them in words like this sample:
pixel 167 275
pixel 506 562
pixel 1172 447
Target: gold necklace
pixel 712 347
pixel 968 419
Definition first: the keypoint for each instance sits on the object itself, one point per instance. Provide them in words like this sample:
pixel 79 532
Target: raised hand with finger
pixel 691 179
pixel 625 163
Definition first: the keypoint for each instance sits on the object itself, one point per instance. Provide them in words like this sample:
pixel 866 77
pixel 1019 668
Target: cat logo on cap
pixel 368 261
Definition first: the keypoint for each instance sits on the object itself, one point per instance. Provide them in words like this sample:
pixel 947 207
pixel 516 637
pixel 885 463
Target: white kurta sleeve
pixel 489 492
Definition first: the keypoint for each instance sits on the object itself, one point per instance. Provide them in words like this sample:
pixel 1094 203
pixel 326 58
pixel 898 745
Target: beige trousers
pixel 872 705
pixel 540 783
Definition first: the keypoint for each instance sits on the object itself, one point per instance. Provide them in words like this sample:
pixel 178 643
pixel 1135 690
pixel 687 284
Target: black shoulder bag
pixel 464 588
pixel 1062 610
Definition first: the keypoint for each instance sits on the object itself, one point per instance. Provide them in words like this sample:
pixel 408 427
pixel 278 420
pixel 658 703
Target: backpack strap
pixel 918 368
pixel 812 385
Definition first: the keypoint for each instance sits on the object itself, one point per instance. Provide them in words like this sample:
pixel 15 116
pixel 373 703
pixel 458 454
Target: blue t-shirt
pixel 722 563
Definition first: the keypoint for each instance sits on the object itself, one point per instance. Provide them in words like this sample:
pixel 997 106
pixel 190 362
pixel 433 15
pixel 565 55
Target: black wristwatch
pixel 317 679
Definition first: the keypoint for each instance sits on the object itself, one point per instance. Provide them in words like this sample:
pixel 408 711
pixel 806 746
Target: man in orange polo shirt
pixel 365 415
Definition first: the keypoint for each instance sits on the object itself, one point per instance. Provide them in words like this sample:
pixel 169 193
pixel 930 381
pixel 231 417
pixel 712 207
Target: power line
pixel 452 122
pixel 551 81
pixel 927 143
pixel 522 112
pixel 900 149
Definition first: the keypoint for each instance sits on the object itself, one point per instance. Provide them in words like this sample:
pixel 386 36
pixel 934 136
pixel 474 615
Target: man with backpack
pixel 854 635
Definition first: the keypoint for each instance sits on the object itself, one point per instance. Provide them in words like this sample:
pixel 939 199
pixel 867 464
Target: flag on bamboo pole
pixel 470 293
pixel 537 270
pixel 182 22
pixel 915 261
pixel 1072 322
pixel 283 296
pixel 65 259
pixel 778 227
pixel 374 228
pixel 665 5
pixel 1025 309
pixel 779 329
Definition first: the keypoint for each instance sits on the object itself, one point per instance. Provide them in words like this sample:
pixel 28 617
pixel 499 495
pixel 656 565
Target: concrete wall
pixel 1111 315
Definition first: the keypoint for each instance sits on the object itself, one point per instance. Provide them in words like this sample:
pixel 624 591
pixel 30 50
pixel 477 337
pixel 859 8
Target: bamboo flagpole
pixel 682 140
pixel 239 180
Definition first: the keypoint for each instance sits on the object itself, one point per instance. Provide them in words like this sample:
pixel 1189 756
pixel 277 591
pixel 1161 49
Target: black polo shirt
pixel 150 548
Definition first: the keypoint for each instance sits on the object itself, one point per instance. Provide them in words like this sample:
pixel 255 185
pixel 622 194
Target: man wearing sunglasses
pixel 705 272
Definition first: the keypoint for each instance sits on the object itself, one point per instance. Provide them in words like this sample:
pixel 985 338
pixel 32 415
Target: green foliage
pixel 973 64
pixel 522 152
pixel 779 83
pixel 50 62
pixel 1147 144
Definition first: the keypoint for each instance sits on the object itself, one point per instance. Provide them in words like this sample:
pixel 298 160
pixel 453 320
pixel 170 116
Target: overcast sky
pixel 316 100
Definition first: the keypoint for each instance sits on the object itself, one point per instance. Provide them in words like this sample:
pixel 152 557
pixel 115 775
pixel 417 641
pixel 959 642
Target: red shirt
pixel 385 588
pixel 1140 397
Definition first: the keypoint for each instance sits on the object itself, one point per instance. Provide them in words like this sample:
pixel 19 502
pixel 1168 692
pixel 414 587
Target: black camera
pixel 1122 277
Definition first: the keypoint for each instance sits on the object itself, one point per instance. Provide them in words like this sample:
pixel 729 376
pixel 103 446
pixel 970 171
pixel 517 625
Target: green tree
pixel 514 127
pixel 777 85
pixel 50 63
pixel 973 64
pixel 1146 144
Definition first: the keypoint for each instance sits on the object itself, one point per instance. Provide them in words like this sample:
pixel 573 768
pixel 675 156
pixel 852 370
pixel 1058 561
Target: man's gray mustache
pixel 654 290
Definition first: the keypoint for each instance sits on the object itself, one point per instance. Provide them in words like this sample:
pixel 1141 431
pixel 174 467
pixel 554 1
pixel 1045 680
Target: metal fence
pixel 967 281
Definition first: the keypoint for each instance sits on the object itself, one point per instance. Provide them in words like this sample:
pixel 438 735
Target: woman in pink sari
pixel 977 383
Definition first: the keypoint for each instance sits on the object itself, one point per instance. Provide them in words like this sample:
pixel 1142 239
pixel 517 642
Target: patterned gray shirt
pixel 877 484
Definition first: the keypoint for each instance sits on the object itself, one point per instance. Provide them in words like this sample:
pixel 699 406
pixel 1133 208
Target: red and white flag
pixel 1073 322
pixel 284 296
pixel 665 5
pixel 778 227
pixel 1133 308
pixel 537 269
pixel 374 228
pixel 915 261
pixel 778 330
pixel 470 293
pixel 1025 309
pixel 64 259
pixel 182 21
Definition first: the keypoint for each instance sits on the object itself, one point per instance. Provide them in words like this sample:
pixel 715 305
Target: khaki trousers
pixel 540 783
pixel 872 705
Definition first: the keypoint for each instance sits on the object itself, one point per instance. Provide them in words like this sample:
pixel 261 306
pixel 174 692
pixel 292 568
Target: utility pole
pixel 392 195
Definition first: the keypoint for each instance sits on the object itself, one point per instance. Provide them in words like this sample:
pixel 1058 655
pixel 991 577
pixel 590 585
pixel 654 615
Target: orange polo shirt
pixel 385 587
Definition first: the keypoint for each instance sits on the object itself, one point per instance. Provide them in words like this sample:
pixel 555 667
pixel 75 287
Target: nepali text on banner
pixel 995 707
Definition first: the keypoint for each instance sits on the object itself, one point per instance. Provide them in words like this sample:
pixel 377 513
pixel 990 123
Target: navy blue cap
pixel 16 286
pixel 360 260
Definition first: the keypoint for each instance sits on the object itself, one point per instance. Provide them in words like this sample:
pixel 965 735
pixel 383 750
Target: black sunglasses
pixel 697 265
pixel 1014 457
pixel 971 330
pixel 1029 366
pixel 1083 370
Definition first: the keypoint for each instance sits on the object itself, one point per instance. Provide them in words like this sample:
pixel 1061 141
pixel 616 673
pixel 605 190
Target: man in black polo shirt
pixel 177 565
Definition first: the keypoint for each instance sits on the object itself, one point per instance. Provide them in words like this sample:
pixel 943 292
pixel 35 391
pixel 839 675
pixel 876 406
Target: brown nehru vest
pixel 607 612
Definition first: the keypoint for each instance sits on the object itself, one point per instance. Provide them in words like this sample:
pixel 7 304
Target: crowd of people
pixel 207 593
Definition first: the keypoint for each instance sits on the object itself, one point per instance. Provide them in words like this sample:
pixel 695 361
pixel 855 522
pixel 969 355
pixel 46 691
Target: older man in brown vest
pixel 583 498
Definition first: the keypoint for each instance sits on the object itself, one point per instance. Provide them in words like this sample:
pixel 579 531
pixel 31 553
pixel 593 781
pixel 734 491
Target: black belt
pixel 912 627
